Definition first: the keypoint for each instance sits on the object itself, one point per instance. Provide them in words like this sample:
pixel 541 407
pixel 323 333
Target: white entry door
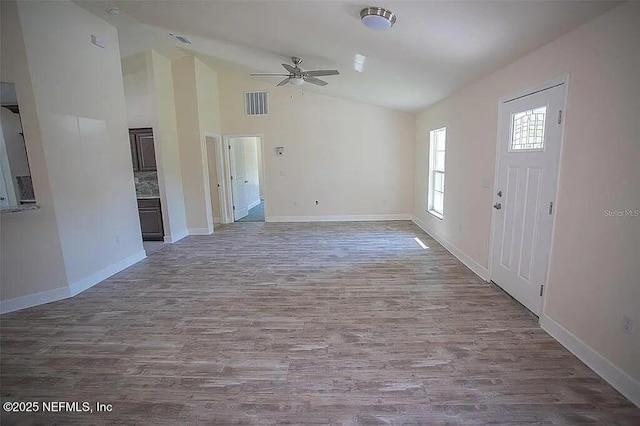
pixel 239 178
pixel 529 137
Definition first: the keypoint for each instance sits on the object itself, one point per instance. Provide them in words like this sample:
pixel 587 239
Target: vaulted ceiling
pixel 434 49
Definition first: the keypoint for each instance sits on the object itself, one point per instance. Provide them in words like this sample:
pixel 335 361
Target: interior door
pixel 239 178
pixel 530 132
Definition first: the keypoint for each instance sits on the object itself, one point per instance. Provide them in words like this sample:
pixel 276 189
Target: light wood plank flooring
pixel 265 323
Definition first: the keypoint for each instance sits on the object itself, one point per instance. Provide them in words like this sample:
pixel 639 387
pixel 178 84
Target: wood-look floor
pixel 335 323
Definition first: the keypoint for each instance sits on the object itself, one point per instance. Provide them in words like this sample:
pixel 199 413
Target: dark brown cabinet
pixel 150 219
pixel 143 154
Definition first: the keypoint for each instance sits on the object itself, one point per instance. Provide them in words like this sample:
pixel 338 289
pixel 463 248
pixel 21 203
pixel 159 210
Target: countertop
pixel 18 209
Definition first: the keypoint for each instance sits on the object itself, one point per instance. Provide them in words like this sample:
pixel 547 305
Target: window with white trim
pixel 437 142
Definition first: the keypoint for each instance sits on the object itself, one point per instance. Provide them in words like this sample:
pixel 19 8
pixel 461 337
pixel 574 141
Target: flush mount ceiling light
pixel 113 10
pixel 377 18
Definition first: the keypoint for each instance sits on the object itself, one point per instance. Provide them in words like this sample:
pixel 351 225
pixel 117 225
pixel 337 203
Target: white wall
pixel 355 159
pixel 165 134
pixel 75 124
pixel 140 110
pixel 30 235
pixel 594 268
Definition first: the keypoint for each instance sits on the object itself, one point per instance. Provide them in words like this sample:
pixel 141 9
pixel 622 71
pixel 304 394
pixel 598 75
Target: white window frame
pixel 433 171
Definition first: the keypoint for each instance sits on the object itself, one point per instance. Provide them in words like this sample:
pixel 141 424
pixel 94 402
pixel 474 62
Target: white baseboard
pixel 339 218
pixel 35 299
pixel 477 268
pixel 93 279
pixel 175 238
pixel 255 203
pixel 625 384
pixel 201 231
pixel 54 295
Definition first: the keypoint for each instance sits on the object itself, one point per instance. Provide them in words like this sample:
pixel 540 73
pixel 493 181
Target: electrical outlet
pixel 627 324
pixel 117 239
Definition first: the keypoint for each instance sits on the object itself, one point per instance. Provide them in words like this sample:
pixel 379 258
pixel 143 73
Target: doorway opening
pixel 528 156
pixel 246 176
pixel 237 178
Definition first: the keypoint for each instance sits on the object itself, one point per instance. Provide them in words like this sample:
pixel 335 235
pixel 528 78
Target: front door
pixel 529 137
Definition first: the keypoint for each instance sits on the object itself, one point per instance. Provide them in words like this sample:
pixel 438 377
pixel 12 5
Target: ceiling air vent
pixel 180 38
pixel 255 103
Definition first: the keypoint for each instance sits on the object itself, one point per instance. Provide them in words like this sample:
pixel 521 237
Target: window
pixel 437 140
pixel 527 130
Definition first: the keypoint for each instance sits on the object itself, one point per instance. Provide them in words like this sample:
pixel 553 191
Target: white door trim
pixel 227 203
pixel 217 146
pixel 525 92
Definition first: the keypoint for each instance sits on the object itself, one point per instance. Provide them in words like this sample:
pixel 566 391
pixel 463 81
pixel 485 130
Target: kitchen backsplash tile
pixel 146 184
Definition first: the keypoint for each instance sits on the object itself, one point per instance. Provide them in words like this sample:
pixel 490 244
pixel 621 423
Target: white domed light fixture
pixel 296 81
pixel 377 18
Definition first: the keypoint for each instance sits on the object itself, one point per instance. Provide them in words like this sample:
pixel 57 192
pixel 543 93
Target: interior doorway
pixel 529 143
pixel 245 170
pixel 237 178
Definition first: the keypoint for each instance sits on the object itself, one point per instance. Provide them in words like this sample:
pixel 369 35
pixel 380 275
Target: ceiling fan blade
pixel 320 73
pixel 285 81
pixel 289 68
pixel 314 80
pixel 268 75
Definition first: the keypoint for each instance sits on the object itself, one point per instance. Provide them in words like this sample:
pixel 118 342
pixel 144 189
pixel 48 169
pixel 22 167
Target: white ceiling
pixel 434 49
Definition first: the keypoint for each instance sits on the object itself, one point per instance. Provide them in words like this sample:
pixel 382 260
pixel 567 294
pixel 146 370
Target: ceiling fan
pixel 297 76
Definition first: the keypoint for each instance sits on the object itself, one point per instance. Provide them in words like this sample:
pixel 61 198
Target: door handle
pixel 497 206
pixel 246 181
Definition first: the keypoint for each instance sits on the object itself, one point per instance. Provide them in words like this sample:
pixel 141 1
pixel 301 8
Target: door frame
pixel 563 80
pixel 218 151
pixel 223 164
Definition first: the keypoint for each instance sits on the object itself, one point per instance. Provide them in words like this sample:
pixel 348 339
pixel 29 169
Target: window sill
pixel 435 213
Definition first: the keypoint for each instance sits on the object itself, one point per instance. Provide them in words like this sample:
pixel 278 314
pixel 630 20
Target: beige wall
pixel 197 114
pixel 594 272
pixel 209 119
pixel 166 144
pixel 79 154
pixel 355 159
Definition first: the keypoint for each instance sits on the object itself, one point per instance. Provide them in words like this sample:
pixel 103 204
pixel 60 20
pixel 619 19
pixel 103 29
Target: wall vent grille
pixel 256 103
